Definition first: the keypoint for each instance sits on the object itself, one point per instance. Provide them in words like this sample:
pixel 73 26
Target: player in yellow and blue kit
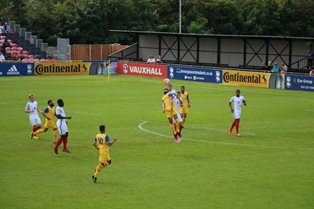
pixel 49 114
pixel 102 143
pixel 185 104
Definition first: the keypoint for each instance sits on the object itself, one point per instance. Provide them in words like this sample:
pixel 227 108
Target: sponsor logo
pixel 29 69
pixel 171 72
pixel 125 68
pixel 237 77
pixel 52 68
pixel 144 70
pixel 13 71
pixel 288 81
pixel 218 76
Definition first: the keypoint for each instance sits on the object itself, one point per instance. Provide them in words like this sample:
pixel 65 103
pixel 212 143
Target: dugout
pixel 234 51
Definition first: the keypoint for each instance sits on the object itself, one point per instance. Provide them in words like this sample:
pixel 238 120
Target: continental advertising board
pixel 243 78
pixel 211 75
pixel 62 68
pixel 143 69
pixel 16 69
pixel 299 82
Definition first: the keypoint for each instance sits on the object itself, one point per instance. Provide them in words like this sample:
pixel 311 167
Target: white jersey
pixel 32 106
pixel 177 103
pixel 173 95
pixel 60 111
pixel 61 123
pixel 237 103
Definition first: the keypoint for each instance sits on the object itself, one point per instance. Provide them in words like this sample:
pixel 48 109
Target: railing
pixel 128 53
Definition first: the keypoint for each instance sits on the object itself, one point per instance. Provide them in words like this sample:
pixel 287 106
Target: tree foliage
pixel 89 21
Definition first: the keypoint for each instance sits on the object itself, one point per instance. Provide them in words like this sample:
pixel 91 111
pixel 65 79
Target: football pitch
pixel 270 166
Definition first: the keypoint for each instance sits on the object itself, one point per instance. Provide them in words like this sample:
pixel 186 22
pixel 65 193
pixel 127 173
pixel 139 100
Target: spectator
pixel 269 65
pixel 310 57
pixel 2 58
pixel 1 29
pixel 159 60
pixel 311 72
pixel 151 59
pixel 7 27
pixel 275 68
pixel 264 65
pixel 283 70
pixel 4 45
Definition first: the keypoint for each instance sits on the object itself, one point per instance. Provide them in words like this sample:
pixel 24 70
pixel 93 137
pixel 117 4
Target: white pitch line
pixel 140 126
pixel 219 129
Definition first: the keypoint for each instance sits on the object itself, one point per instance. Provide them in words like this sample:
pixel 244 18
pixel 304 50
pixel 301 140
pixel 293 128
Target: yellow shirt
pixel 184 99
pixel 50 112
pixel 101 142
pixel 167 101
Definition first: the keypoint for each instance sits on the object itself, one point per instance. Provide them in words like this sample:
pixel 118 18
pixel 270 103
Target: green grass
pixel 270 166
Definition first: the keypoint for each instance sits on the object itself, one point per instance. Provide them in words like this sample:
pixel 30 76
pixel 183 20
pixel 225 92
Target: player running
pixel 237 101
pixel 186 103
pixel 32 109
pixel 62 127
pixel 48 113
pixel 102 143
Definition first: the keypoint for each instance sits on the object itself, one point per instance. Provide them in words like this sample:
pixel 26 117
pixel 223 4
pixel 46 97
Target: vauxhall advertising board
pixel 143 69
pixel 299 82
pixel 16 69
pixel 211 75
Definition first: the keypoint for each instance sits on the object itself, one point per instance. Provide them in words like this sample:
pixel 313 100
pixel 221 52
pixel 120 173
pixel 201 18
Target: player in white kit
pixel 62 127
pixel 32 109
pixel 237 101
pixel 177 120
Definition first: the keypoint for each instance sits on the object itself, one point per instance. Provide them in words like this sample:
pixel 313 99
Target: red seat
pixel 2 37
pixel 14 56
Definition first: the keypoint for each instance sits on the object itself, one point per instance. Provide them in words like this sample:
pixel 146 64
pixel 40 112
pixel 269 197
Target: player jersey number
pixel 100 141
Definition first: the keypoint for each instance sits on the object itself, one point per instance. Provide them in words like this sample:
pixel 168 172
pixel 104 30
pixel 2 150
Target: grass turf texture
pixel 270 166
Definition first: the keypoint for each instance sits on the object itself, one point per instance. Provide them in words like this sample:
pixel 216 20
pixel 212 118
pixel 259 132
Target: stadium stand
pixel 21 49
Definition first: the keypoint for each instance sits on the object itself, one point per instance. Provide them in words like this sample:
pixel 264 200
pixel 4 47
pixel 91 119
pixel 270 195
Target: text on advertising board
pixel 195 74
pixel 49 68
pixel 142 69
pixel 16 69
pixel 299 82
pixel 257 79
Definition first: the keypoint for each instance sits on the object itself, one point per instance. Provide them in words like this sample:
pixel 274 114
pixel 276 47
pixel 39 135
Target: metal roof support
pixel 290 55
pixel 188 49
pixel 159 45
pixel 197 50
pixel 267 50
pixel 244 52
pixel 138 47
pixel 218 50
pixel 178 50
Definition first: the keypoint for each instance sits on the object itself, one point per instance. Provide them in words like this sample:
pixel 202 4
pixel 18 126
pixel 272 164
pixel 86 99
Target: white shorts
pixel 62 128
pixel 35 120
pixel 236 114
pixel 179 117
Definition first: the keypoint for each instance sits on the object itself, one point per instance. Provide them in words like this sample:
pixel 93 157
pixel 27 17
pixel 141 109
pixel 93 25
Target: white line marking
pixel 217 129
pixel 140 126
